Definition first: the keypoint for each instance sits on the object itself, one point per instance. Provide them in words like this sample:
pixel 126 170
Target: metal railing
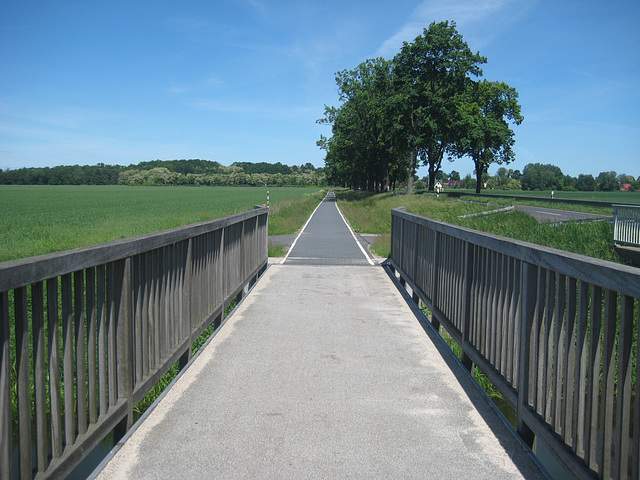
pixel 86 333
pixel 626 225
pixel 556 333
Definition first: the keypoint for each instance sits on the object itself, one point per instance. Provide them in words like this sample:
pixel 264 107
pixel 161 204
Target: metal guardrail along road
pixel 626 225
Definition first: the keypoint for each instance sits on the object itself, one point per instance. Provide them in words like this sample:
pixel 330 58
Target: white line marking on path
pixel 364 252
pixel 300 233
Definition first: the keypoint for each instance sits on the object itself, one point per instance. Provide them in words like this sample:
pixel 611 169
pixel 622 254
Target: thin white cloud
pixel 478 20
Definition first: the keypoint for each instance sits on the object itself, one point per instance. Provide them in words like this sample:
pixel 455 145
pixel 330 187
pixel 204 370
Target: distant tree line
pixel 169 172
pixel 415 109
pixel 536 176
pixel 99 174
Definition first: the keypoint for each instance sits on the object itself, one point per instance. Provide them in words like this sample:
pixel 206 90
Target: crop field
pixel 42 219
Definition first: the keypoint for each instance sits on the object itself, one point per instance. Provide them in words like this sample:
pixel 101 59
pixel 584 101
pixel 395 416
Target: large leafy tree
pixel 537 176
pixel 367 143
pixel 585 183
pixel 432 74
pixel 607 181
pixel 483 125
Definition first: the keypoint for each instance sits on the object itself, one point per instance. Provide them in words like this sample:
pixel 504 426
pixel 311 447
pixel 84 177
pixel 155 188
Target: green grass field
pixel 42 219
pixel 614 197
pixel 369 213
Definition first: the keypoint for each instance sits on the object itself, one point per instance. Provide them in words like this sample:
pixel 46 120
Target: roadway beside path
pixel 551 215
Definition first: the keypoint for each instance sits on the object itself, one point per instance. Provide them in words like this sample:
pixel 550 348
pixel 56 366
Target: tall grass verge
pixel 371 213
pixel 289 216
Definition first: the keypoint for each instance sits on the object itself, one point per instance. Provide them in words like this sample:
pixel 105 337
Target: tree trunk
pixel 385 175
pixel 434 159
pixel 432 178
pixel 412 170
pixel 479 172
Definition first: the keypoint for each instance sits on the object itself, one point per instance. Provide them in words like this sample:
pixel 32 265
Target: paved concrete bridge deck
pixel 323 371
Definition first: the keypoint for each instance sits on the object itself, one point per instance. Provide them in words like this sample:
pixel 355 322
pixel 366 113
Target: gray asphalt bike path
pixel 327 240
pixel 322 372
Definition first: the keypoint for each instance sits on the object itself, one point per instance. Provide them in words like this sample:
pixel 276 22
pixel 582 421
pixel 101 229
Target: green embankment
pixel 368 213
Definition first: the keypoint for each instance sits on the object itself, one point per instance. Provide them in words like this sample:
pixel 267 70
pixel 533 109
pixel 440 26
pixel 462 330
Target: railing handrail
pixel 25 271
pixel 552 330
pixel 103 324
pixel 614 276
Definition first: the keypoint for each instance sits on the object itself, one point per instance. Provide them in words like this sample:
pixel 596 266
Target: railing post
pixel 124 337
pixel 6 433
pixel 23 380
pixel 527 311
pixel 435 266
pixel 467 282
pixel 186 304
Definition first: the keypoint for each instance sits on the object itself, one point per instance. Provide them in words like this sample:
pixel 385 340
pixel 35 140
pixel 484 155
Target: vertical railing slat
pixel 492 307
pixel 549 345
pixel 144 313
pixel 527 312
pixel 92 343
pixel 592 410
pixel 67 360
pixel 155 305
pixel 39 375
pixel 580 378
pixel 468 299
pixel 55 388
pixel 137 320
pixel 23 379
pixel 124 335
pixel 635 441
pixel 80 347
pixel 536 388
pixel 559 354
pixel 112 315
pixel 608 382
pixel 511 315
pixel 102 315
pixel 624 392
pixel 570 364
pixel 6 432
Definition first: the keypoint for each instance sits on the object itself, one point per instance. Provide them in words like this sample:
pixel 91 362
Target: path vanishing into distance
pixel 322 371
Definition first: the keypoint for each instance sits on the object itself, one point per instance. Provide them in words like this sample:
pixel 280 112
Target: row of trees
pixel 168 172
pixel 232 176
pixel 416 108
pixel 536 176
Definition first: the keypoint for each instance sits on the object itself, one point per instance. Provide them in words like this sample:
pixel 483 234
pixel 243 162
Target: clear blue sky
pixel 119 82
